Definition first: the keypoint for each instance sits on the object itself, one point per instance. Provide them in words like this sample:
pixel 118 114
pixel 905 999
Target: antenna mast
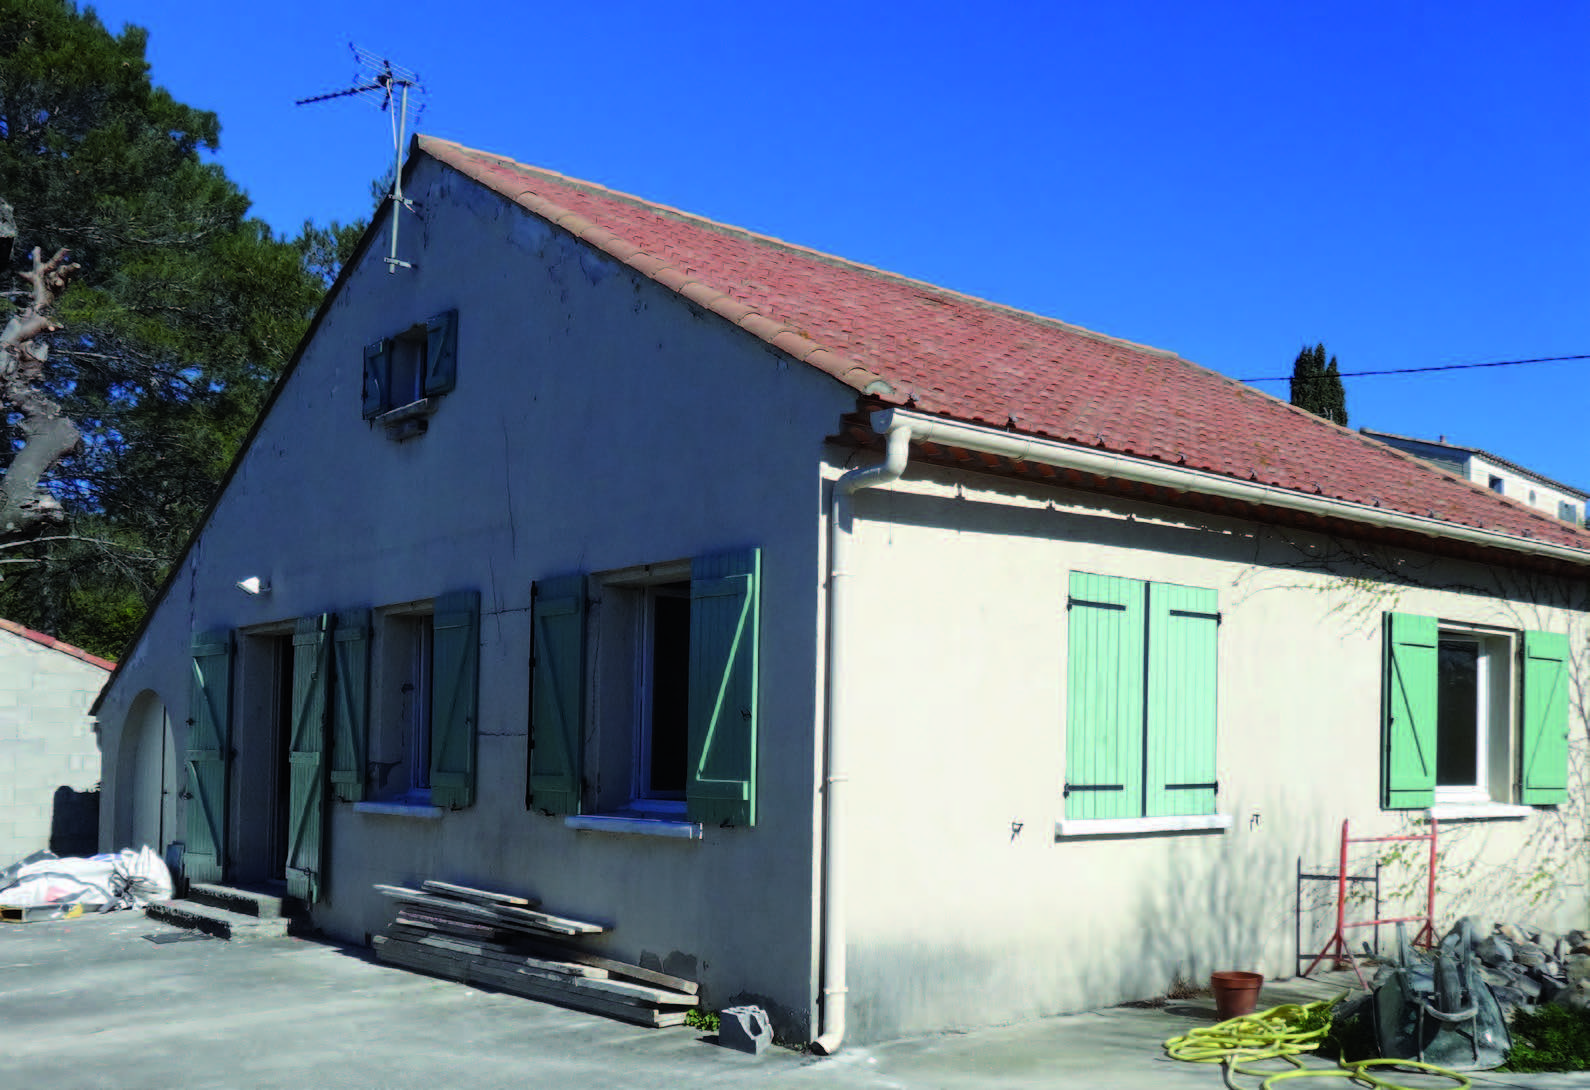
pixel 381 82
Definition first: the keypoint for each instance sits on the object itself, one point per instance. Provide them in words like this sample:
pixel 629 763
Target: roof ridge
pixel 824 256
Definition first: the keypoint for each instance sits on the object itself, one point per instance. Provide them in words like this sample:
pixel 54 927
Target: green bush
pixel 706 1021
pixel 1550 1038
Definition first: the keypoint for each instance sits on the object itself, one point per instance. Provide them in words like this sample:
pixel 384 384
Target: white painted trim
pixel 612 823
pixel 399 809
pixel 1478 811
pixel 1130 826
pixel 930 429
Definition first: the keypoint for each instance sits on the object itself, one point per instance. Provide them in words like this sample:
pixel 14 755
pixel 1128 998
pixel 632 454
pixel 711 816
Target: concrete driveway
pixel 94 1003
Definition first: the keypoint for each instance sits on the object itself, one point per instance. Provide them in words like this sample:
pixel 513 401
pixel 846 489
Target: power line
pixel 1440 367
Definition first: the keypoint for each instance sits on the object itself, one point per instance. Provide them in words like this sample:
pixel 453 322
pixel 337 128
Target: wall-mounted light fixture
pixel 253 586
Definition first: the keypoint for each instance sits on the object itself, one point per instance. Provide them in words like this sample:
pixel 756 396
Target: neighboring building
pixel 1498 474
pixel 49 756
pixel 538 573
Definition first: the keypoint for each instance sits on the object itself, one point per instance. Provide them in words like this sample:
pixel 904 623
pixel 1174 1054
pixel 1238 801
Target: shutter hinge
pixel 1096 605
pixel 1070 787
pixel 1218 618
pixel 1214 786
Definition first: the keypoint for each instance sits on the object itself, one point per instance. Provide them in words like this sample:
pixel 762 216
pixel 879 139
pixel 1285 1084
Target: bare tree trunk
pixel 26 510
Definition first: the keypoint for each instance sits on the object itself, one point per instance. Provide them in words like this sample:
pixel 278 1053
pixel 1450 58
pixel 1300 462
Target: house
pixel 880 655
pixel 49 756
pixel 1496 473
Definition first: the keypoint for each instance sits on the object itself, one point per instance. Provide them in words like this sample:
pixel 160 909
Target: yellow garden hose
pixel 1284 1033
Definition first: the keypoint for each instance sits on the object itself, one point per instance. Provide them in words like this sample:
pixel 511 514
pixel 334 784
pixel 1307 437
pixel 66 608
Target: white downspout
pixel 833 876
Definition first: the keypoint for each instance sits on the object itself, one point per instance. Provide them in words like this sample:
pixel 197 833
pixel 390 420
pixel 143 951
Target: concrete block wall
pixel 49 753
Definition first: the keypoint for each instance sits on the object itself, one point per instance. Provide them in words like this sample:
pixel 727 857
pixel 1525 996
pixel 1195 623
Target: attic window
pixel 405 373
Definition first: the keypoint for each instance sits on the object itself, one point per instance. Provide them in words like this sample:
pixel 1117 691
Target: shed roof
pixel 46 640
pixel 909 343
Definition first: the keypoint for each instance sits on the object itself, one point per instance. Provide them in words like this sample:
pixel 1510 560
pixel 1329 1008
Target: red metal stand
pixel 1337 948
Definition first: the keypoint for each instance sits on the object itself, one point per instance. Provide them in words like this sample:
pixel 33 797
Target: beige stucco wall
pixel 49 757
pixel 598 422
pixel 967 908
pixel 1524 488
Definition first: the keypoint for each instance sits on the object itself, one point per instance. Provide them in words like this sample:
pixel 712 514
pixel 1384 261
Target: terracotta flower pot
pixel 1236 993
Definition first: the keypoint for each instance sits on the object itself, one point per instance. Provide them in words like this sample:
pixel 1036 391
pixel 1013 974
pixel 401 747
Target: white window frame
pixel 621 667
pixel 400 715
pixel 1496 718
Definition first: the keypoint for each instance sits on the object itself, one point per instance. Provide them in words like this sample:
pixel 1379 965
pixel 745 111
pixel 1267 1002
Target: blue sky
pixel 1407 182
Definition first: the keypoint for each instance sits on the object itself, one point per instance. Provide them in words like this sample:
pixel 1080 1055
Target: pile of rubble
pixel 1526 966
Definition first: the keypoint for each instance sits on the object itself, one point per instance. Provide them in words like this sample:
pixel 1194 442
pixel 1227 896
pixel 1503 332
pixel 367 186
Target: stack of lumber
pixel 502 942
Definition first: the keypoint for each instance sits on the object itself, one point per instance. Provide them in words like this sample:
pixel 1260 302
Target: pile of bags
pixel 101 883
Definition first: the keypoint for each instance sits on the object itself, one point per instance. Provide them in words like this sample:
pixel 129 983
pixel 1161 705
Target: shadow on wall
pixel 1233 908
pixel 74 822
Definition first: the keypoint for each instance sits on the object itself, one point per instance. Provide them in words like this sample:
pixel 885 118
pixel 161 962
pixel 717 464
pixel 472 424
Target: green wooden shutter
pixel 1408 701
pixel 1183 629
pixel 1104 697
pixel 1543 775
pixel 441 353
pixel 209 757
pixel 455 696
pixel 306 758
pixel 350 704
pixel 377 378
pixel 725 621
pixel 557 697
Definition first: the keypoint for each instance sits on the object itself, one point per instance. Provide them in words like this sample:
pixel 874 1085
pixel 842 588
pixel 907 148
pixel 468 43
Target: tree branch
pixel 26 509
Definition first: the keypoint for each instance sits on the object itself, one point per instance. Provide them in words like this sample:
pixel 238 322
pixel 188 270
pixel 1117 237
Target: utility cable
pixel 1425 370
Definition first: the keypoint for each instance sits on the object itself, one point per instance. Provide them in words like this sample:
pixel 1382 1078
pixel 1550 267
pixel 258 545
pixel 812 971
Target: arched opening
pixel 147 777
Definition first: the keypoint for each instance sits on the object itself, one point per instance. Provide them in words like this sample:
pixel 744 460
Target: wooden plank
pixel 554 992
pixel 515 918
pixel 462 929
pixel 553 948
pixel 499 916
pixel 409 957
pixel 503 955
pixel 617 989
pixel 479 896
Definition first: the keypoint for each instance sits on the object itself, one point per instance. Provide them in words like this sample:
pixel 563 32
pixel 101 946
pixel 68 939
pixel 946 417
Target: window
pixel 1498 485
pixel 402 373
pixel 1141 699
pixel 1567 512
pixel 643 691
pixel 423 709
pixel 1473 715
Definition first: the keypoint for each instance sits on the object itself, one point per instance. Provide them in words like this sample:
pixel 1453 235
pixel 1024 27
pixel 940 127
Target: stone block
pixel 745 1028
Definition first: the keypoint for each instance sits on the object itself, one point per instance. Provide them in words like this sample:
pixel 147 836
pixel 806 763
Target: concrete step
pixel 223 924
pixel 245 902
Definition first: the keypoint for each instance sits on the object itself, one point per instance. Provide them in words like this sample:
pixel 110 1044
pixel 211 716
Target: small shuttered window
pixel 1141 704
pixel 1423 669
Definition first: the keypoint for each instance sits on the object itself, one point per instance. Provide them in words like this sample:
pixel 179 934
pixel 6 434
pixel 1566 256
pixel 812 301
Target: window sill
pixel 634 826
pixel 1478 811
pixel 1134 826
pixel 407 421
pixel 396 808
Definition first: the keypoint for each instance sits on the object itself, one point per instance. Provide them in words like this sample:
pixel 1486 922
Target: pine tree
pixel 1317 385
pixel 181 317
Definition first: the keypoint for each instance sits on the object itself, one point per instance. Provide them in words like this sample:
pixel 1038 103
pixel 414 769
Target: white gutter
pixel 833 876
pixel 928 429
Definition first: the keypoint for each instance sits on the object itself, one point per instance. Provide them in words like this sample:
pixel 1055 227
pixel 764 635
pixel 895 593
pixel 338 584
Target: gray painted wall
pixel 599 422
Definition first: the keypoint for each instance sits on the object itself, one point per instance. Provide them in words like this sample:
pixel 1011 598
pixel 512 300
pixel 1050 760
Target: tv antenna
pixel 384 83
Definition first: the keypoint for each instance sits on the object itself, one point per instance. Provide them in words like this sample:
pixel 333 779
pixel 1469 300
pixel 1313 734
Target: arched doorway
pixel 148 777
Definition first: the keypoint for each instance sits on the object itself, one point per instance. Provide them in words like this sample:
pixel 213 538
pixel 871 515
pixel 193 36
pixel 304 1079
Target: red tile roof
pixel 54 644
pixel 913 344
